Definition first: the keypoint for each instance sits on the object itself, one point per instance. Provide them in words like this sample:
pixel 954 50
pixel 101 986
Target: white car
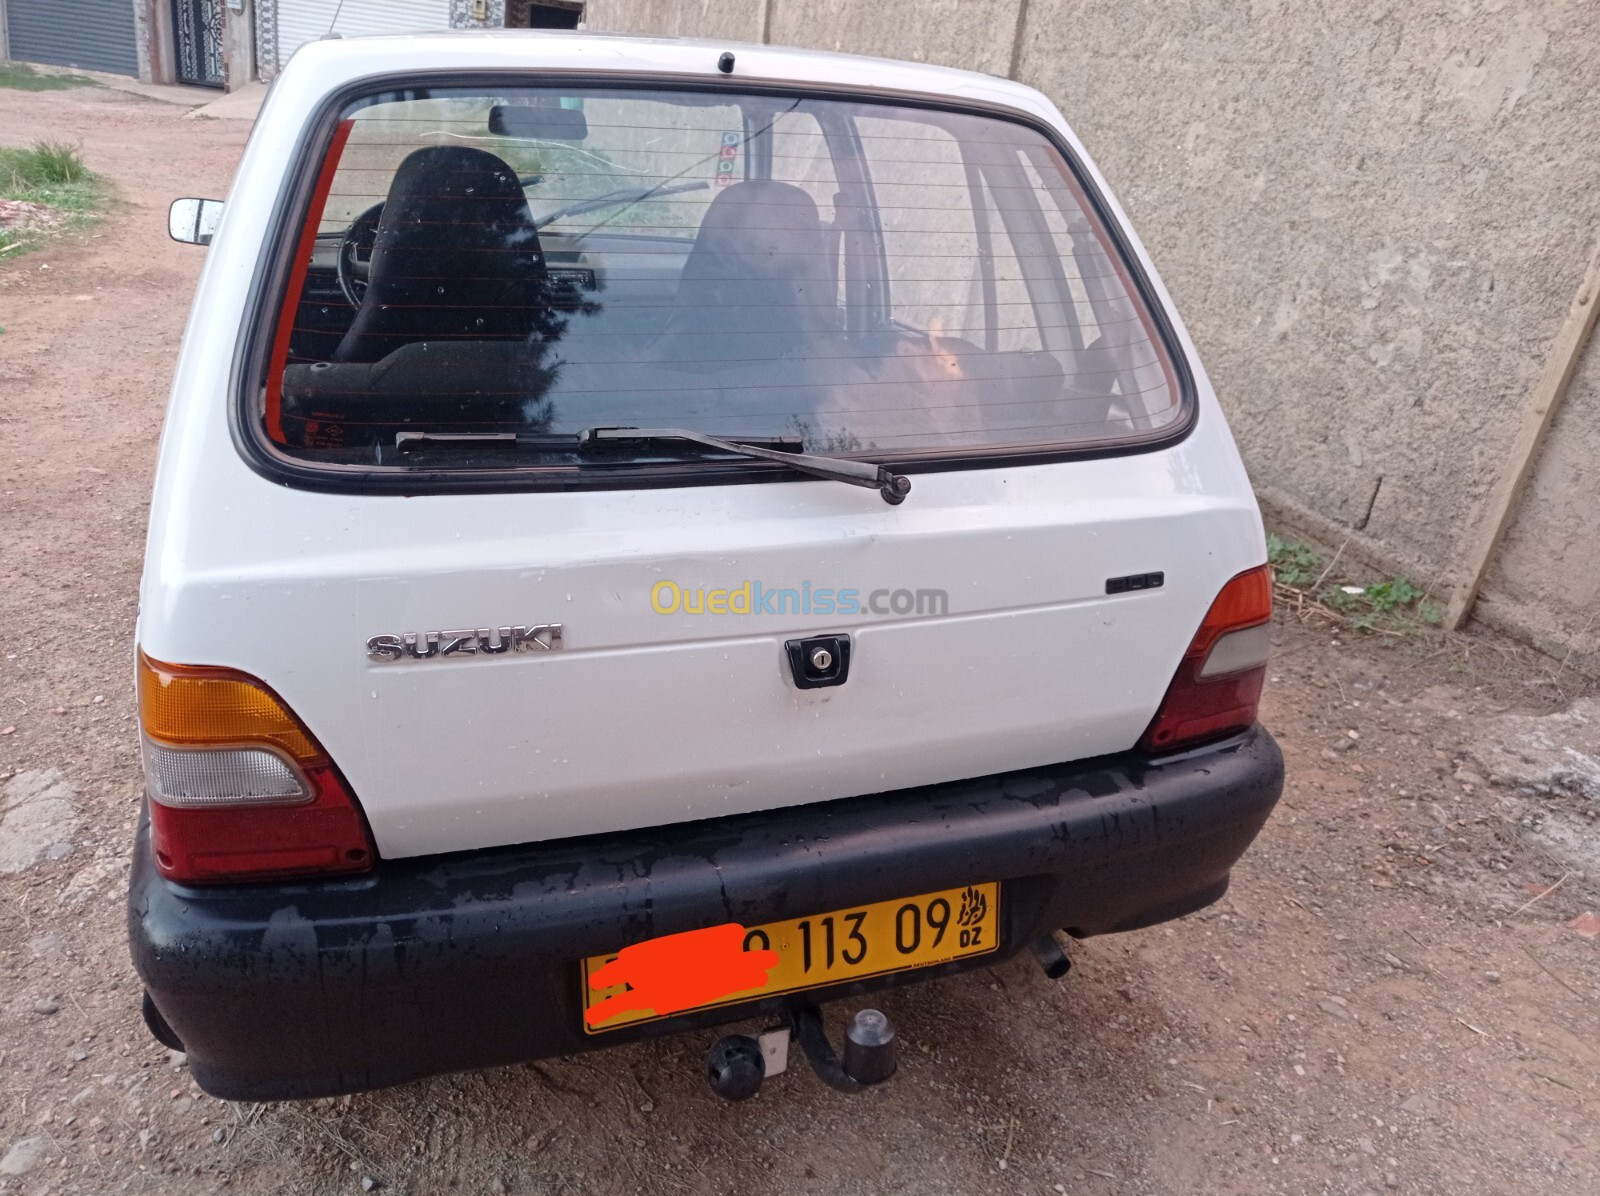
pixel 653 534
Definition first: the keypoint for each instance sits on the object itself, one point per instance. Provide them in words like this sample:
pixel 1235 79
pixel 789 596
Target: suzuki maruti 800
pixel 654 534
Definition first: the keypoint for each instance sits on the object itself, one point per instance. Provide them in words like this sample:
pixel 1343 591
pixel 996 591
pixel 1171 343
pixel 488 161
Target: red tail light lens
pixel 239 789
pixel 1217 687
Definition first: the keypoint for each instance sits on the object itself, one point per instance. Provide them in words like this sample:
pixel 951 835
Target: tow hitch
pixel 736 1065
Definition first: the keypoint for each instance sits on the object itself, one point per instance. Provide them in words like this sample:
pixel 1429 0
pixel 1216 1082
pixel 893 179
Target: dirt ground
pixel 1379 1004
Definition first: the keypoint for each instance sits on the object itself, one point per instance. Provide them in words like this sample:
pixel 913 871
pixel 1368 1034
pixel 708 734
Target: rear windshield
pixel 483 274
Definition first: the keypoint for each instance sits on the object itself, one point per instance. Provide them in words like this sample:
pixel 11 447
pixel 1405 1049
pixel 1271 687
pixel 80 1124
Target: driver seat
pixel 456 256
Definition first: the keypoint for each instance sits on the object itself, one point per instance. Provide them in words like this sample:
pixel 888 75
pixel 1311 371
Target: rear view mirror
pixel 194 221
pixel 538 122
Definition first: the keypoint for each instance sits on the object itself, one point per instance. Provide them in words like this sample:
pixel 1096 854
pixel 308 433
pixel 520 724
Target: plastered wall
pixel 1373 216
pixel 738 20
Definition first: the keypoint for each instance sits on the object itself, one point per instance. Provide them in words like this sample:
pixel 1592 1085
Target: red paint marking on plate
pixel 680 971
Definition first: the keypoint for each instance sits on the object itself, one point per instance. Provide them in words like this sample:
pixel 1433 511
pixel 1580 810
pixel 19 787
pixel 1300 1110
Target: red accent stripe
pixel 297 281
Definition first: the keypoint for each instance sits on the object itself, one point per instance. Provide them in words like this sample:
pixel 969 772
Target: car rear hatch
pixel 939 289
pixel 1017 656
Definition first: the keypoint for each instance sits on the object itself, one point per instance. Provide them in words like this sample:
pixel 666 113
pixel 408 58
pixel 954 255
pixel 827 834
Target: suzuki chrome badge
pixel 473 641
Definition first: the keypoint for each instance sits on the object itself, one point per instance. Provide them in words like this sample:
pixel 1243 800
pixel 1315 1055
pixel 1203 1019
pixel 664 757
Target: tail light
pixel 239 789
pixel 1217 687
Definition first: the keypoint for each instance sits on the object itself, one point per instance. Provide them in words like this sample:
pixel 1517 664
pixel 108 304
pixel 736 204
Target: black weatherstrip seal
pixel 271 278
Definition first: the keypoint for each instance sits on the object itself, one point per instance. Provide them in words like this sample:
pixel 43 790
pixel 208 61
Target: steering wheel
pixel 355 254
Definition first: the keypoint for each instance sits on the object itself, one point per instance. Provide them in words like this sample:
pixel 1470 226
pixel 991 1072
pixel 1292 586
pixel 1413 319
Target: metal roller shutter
pixel 302 21
pixel 95 34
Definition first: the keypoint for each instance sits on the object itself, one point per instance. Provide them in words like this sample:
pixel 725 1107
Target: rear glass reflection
pixel 864 278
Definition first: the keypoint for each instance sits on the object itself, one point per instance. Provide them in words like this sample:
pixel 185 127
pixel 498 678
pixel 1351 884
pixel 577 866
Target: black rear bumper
pixel 449 962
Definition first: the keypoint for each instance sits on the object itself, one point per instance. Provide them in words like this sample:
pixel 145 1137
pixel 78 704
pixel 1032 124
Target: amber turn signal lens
pixel 1244 602
pixel 188 706
pixel 238 788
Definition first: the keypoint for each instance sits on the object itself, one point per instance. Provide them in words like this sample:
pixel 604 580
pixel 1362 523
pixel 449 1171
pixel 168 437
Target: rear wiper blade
pixel 412 442
pixel 892 486
pixel 783 449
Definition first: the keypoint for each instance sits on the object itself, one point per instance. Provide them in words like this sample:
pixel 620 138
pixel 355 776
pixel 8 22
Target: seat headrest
pixel 762 221
pixel 756 277
pixel 456 254
pixel 453 197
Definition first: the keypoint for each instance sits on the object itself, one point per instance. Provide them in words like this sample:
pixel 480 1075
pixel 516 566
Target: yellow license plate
pixel 681 973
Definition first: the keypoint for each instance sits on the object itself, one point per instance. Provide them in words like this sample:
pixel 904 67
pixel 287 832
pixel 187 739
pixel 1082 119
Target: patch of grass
pixel 50 173
pixel 1293 564
pixel 1394 605
pixel 42 164
pixel 1383 605
pixel 22 77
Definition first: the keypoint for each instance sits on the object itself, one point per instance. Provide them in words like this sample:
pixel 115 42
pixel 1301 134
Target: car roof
pixel 328 64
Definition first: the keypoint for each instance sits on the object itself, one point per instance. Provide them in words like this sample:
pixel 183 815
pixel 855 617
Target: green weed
pixel 42 164
pixel 1394 605
pixel 1293 564
pixel 50 173
pixel 22 77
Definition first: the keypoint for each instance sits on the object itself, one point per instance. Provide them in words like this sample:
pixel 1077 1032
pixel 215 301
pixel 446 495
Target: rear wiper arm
pixel 411 443
pixel 892 486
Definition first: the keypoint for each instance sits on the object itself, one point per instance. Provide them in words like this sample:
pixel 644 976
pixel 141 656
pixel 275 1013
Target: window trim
pixel 275 266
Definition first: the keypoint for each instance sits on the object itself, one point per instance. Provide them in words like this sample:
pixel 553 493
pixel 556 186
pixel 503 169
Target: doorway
pixel 197 33
pixel 543 14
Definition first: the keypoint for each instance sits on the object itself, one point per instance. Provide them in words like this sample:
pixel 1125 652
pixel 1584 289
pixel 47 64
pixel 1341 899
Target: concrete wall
pixel 1373 216
pixel 737 20
pixel 974 34
pixel 1545 582
pixel 152 40
pixel 239 44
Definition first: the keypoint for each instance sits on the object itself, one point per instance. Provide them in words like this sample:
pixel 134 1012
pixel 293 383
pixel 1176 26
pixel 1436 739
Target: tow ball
pixel 736 1065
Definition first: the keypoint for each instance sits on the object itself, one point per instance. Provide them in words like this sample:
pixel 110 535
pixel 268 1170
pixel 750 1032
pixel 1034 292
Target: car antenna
pixel 337 9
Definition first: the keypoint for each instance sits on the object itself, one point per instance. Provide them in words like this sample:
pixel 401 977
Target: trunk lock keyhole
pixel 819 661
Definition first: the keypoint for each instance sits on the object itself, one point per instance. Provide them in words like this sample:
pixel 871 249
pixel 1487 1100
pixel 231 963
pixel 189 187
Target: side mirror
pixel 194 221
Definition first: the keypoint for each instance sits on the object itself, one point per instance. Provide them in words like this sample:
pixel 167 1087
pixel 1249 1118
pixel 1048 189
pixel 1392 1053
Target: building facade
pixel 283 26
pixel 227 43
